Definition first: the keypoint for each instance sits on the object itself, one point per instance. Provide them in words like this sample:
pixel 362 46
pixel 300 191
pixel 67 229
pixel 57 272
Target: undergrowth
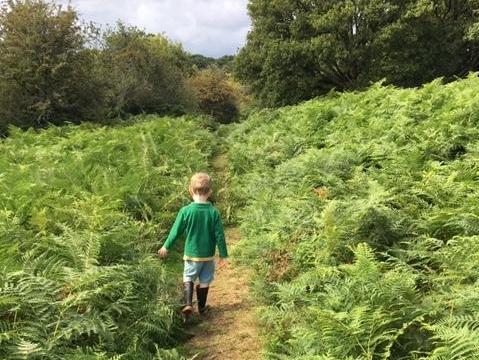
pixel 83 210
pixel 360 214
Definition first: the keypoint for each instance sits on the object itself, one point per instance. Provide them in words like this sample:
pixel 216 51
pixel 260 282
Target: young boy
pixel 202 226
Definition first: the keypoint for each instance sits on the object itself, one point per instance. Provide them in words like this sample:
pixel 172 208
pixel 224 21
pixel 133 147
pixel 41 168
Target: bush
pixel 217 94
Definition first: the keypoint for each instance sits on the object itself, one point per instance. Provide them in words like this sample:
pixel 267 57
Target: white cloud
pixel 209 27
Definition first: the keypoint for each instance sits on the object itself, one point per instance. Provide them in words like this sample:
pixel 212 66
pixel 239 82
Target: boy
pixel 201 223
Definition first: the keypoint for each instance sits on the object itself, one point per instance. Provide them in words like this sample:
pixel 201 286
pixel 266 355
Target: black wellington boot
pixel 202 296
pixel 187 297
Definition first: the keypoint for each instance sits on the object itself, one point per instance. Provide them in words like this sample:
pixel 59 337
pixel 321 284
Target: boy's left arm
pixel 220 237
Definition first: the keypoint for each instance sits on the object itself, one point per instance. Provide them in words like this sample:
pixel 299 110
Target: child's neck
pixel 200 199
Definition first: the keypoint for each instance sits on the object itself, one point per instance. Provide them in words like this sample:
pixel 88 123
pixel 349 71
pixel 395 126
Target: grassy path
pixel 229 330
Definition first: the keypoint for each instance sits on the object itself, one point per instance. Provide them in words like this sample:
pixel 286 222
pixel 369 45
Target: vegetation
pixel 47 75
pixel 83 210
pixel 145 73
pixel 202 62
pixel 361 219
pixel 54 69
pixel 301 49
pixel 217 93
pixel 359 210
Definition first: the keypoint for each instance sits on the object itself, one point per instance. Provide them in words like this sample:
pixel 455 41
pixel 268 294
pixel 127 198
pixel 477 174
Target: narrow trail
pixel 229 331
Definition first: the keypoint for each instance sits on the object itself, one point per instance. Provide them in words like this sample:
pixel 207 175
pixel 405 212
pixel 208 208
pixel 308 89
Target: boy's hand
pixel 222 262
pixel 163 252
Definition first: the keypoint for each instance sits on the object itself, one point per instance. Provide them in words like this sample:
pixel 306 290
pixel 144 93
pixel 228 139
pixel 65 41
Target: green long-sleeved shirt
pixel 202 225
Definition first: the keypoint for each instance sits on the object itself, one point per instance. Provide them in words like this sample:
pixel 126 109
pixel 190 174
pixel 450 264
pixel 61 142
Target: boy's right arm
pixel 176 231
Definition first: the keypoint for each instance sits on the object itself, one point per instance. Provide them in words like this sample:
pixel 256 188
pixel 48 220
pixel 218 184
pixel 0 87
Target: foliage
pixel 47 75
pixel 360 217
pixel 297 50
pixel 83 210
pixel 145 73
pixel 201 62
pixel 56 70
pixel 217 94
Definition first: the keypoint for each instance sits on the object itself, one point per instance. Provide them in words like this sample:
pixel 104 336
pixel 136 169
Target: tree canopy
pixel 298 49
pixel 146 72
pixel 46 70
pixel 55 69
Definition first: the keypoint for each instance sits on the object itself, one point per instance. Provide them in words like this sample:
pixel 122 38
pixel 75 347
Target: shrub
pixel 217 94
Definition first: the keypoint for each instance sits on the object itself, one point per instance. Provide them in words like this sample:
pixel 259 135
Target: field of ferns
pixel 83 210
pixel 360 216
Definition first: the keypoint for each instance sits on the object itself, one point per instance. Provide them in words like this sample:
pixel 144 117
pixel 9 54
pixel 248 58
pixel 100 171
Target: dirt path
pixel 229 331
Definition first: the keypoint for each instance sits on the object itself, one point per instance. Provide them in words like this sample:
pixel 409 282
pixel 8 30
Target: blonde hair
pixel 200 184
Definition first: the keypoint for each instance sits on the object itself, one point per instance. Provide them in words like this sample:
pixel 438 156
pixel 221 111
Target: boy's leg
pixel 190 274
pixel 202 295
pixel 187 297
pixel 206 277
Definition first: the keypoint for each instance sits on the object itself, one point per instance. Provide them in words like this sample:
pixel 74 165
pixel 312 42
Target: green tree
pixel 47 75
pixel 202 62
pixel 299 49
pixel 226 63
pixel 145 72
pixel 217 94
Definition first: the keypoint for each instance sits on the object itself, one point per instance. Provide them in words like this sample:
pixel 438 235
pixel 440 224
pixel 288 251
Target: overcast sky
pixel 208 27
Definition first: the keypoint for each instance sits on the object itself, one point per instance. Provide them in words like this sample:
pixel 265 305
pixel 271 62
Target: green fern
pixel 360 215
pixel 78 277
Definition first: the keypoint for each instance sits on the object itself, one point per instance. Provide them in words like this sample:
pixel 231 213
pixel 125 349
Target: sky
pixel 208 27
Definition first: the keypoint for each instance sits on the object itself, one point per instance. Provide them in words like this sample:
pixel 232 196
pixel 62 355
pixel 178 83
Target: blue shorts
pixel 204 270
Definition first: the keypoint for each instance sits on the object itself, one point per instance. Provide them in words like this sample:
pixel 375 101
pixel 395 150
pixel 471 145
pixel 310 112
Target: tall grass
pixel 82 211
pixel 361 217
